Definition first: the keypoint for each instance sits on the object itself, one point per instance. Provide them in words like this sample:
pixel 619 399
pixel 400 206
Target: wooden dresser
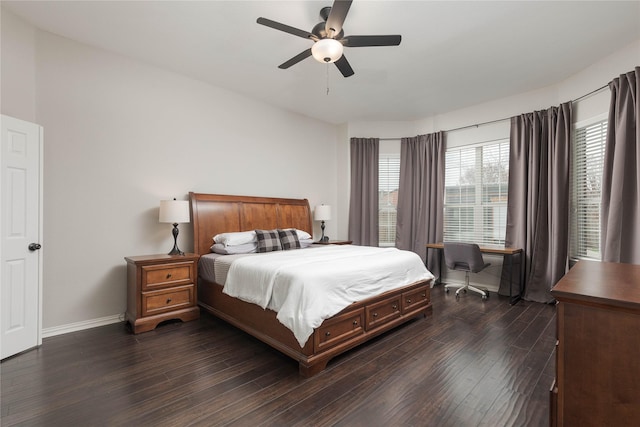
pixel 159 288
pixel 598 350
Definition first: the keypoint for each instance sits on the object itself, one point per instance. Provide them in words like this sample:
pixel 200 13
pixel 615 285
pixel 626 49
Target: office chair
pixel 468 258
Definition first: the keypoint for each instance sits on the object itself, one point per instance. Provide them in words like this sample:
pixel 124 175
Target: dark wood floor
pixel 471 363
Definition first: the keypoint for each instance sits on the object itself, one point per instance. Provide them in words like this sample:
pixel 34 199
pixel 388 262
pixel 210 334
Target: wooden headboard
pixel 215 213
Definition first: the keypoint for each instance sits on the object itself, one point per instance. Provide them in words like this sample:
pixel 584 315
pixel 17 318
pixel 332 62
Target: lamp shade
pixel 322 213
pixel 174 211
pixel 327 50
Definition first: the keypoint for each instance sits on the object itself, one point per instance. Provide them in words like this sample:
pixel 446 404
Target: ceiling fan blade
pixel 293 61
pixel 286 28
pixel 344 67
pixel 336 17
pixel 362 41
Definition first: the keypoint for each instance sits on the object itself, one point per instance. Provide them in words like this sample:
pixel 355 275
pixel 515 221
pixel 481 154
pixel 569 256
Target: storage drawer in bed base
pixel 346 329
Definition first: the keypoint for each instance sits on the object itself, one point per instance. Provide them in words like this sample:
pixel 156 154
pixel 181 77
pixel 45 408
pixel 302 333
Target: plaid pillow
pixel 289 239
pixel 268 240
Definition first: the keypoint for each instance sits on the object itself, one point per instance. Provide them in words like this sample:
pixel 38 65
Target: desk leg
pixel 439 254
pixel 514 299
pixel 439 261
pixel 522 272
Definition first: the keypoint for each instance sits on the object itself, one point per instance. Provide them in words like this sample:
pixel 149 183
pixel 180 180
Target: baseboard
pixel 79 326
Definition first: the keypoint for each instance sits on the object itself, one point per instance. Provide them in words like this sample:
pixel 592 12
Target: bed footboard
pixel 353 326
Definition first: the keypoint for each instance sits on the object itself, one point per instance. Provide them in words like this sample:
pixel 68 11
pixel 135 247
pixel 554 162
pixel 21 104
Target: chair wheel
pixel 446 290
pixel 457 296
pixel 484 297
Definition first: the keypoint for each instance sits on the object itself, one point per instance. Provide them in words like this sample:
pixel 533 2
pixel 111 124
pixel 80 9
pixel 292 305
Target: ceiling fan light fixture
pixel 327 50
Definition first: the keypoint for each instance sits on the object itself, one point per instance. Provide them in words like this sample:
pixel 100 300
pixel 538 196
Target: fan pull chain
pixel 327 79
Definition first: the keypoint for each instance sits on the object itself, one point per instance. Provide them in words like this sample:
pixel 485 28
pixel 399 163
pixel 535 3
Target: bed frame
pixel 213 214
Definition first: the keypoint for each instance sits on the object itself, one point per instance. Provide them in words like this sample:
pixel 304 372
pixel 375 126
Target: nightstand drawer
pixel 415 299
pixel 171 299
pixel 382 312
pixel 163 275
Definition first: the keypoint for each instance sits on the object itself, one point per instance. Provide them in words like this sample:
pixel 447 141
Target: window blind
pixel 388 182
pixel 586 187
pixel 476 185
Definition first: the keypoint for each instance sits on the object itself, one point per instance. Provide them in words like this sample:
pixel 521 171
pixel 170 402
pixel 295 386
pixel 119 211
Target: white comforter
pixel 308 286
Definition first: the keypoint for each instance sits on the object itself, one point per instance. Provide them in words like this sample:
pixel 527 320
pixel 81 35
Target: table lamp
pixel 322 213
pixel 174 212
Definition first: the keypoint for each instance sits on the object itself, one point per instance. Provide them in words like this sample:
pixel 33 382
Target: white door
pixel 21 236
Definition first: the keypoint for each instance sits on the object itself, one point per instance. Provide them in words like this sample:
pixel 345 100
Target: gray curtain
pixel 421 196
pixel 538 205
pixel 363 205
pixel 620 216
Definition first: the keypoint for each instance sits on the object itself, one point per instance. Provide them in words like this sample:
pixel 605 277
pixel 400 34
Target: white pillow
pixel 303 235
pixel 244 237
pixel 236 238
pixel 246 248
pixel 305 243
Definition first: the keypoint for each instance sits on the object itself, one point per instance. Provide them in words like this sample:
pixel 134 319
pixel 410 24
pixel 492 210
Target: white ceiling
pixel 453 54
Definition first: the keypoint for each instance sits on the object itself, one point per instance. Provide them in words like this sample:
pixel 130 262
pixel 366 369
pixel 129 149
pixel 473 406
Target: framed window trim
pixel 480 207
pixel 388 182
pixel 585 233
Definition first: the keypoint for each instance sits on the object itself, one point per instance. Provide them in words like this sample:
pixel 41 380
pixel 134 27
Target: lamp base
pixel 175 250
pixel 323 239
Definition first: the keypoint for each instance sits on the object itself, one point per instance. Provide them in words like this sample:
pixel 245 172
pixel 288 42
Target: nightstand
pixel 159 288
pixel 334 242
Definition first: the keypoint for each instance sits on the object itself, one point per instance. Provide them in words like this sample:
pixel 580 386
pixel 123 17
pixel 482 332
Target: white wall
pixel 120 136
pixel 17 69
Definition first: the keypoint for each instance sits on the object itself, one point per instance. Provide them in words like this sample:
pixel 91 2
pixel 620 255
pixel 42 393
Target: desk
pixel 507 253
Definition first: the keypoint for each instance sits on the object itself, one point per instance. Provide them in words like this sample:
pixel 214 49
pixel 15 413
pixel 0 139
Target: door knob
pixel 34 246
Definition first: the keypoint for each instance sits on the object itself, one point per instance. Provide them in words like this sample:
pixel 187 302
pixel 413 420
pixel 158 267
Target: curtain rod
pixel 455 129
pixel 590 93
pixel 507 118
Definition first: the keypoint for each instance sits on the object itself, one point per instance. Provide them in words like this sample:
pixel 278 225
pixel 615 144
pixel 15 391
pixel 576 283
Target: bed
pixel 357 323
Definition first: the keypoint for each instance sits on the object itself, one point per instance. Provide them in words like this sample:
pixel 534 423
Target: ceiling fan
pixel 329 39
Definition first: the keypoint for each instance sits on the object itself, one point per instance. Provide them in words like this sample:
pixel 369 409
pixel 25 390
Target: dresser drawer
pixel 161 301
pixel 164 275
pixel 415 299
pixel 338 329
pixel 553 405
pixel 382 312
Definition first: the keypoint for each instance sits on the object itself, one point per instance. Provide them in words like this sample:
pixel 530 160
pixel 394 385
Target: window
pixel 388 182
pixel 476 184
pixel 586 184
